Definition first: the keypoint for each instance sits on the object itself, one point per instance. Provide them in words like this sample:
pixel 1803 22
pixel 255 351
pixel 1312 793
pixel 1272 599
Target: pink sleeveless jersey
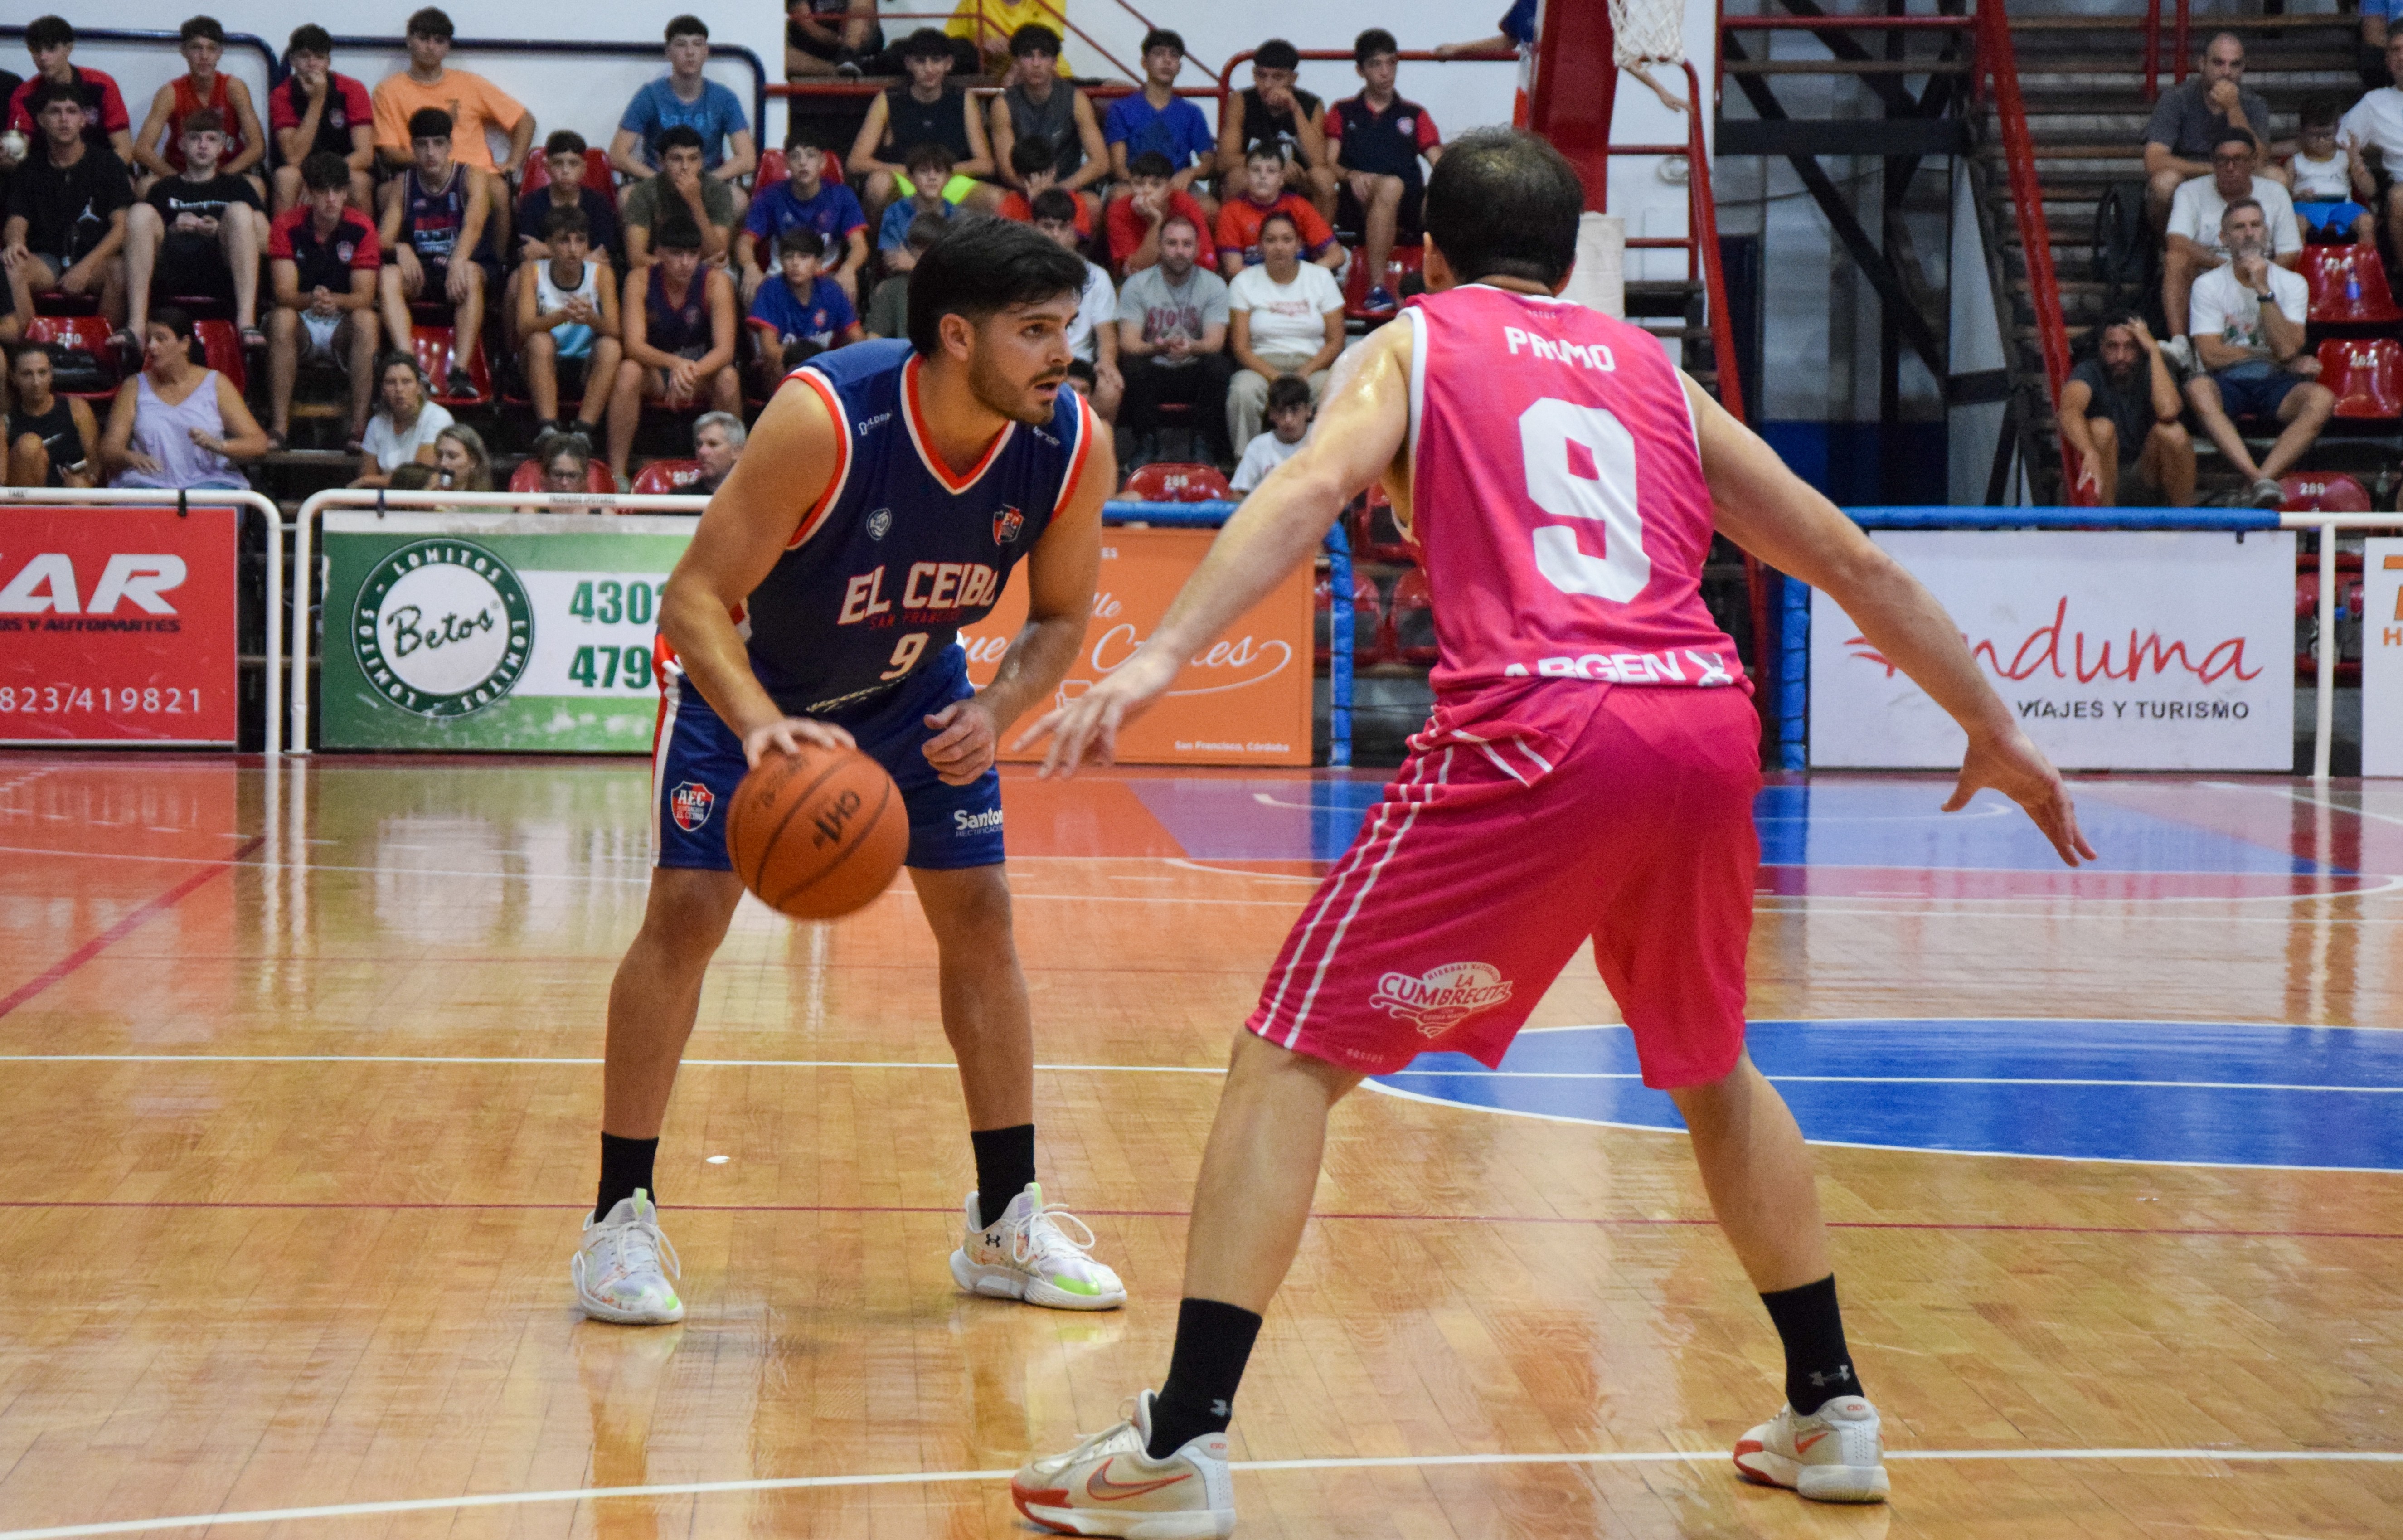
pixel 1559 504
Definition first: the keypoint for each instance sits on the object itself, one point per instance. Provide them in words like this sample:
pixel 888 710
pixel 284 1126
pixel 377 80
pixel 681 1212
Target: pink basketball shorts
pixel 1490 860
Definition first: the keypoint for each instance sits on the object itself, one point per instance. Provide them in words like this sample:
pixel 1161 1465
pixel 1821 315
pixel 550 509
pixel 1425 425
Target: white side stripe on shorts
pixel 1326 959
pixel 1332 888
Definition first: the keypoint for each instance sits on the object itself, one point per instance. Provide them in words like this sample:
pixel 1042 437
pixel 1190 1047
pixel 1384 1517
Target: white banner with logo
pixel 2115 649
pixel 2382 657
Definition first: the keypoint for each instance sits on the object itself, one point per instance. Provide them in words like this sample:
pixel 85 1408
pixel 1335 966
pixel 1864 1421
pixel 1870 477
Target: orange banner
pixel 1243 700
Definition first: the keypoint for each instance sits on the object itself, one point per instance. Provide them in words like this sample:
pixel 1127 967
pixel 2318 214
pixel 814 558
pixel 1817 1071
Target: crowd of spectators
pixel 665 271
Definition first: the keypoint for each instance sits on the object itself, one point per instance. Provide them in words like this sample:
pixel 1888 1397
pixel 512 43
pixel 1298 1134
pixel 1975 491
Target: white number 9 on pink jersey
pixel 1580 464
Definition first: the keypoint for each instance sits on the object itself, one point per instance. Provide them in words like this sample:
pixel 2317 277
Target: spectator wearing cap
pixel 437 239
pixel 1093 335
pixel 804 200
pixel 1172 318
pixel 825 38
pixel 680 324
pixel 2194 243
pixel 202 86
pixel 566 312
pixel 1379 138
pixel 473 102
pixel 66 227
pixel 1158 121
pixel 199 230
pixel 687 96
pixel 681 187
pixel 1135 222
pixel 2120 413
pixel 1037 108
pixel 926 109
pixel 2376 122
pixel 2248 324
pixel 105 126
pixel 565 187
pixel 318 111
pixel 888 308
pixel 1274 112
pixel 798 314
pixel 1264 194
pixel 322 261
pixel 2191 119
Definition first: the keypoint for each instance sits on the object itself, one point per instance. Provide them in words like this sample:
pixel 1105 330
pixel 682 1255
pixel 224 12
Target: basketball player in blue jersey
pixel 883 499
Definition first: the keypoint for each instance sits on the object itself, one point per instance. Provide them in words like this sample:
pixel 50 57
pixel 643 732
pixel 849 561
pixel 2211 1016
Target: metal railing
pixel 2178 47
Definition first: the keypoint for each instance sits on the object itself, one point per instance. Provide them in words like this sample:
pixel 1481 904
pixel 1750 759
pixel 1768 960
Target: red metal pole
pixel 2152 49
pixel 1996 61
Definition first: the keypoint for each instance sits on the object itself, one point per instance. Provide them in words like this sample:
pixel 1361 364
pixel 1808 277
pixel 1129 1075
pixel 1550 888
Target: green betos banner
pixel 502 632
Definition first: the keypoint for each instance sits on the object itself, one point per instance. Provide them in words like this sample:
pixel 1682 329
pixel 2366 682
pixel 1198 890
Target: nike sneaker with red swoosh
pixel 1109 1485
pixel 1834 1455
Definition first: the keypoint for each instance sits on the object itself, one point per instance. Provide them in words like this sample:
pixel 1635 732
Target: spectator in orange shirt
pixel 1133 221
pixel 1264 193
pixel 473 102
pixel 202 42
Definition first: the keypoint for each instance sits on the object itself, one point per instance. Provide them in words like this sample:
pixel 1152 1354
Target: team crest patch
pixel 689 804
pixel 1444 997
pixel 878 522
pixel 1005 525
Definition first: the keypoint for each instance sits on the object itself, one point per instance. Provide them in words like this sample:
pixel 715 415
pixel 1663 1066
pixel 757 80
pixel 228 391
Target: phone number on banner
pixel 117 700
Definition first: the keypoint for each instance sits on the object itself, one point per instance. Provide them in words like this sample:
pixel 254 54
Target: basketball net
pixel 1649 32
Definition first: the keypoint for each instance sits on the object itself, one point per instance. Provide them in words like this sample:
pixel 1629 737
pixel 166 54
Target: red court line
pixel 1183 1213
pixel 123 928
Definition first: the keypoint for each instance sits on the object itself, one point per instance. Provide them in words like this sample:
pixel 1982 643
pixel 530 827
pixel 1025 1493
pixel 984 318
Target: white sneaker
pixel 1107 1485
pixel 619 1268
pixel 1026 1255
pixel 1834 1455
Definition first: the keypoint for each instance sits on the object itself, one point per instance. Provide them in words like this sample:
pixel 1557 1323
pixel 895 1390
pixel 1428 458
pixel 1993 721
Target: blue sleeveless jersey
pixel 899 553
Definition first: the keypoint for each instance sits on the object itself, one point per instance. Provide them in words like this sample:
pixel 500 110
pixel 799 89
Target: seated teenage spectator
pixel 1173 338
pixel 1287 318
pixel 2376 122
pixel 1274 112
pixel 1031 163
pixel 414 477
pixel 1036 106
pixel 1157 121
pixel 2194 230
pixel 926 110
pixel 1263 193
pixel 1093 335
pixel 178 425
pixel 680 324
pixel 1378 139
pixel 323 260
pixel 804 200
pixel 52 438
pixel 567 316
pixel 718 439
pixel 158 148
pixel 2324 176
pixel 436 241
pixel 1135 221
pixel 562 156
pixel 461 461
pixel 105 125
pixel 2190 120
pixel 566 461
pixel 929 166
pixel 798 314
pixel 402 431
pixel 682 189
pixel 318 111
pixel 888 308
pixel 1290 407
pixel 2247 324
pixel 687 97
pixel 65 228
pixel 2120 412
pixel 199 230
pixel 830 38
pixel 472 102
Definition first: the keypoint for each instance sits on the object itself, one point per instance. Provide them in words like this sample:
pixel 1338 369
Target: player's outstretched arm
pixel 785 470
pixel 1778 517
pixel 1359 435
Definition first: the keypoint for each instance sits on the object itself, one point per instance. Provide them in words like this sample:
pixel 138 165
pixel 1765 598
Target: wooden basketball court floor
pixel 298 1075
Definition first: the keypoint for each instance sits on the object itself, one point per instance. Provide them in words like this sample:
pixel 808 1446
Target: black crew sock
pixel 1005 1162
pixel 1818 1366
pixel 625 1165
pixel 1213 1341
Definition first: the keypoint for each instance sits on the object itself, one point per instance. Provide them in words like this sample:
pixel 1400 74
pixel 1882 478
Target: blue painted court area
pixel 2181 1093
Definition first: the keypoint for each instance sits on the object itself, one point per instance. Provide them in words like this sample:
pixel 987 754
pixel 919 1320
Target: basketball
pixel 818 834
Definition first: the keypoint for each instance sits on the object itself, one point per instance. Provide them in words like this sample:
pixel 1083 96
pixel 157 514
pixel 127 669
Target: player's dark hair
pixel 1369 44
pixel 431 22
pixel 431 123
pixel 2321 110
pixel 308 37
pixel 676 231
pixel 201 27
pixel 1288 390
pixel 1161 38
pixel 982 266
pixel 49 31
pixel 804 136
pixel 562 142
pixel 677 136
pixel 1034 37
pixel 1151 165
pixel 803 239
pixel 1033 154
pixel 202 120
pixel 931 158
pixel 1265 149
pixel 1055 203
pixel 48 91
pixel 926 43
pixel 174 318
pixel 567 221
pixel 1276 54
pixel 1504 204
pixel 687 25
pixel 325 170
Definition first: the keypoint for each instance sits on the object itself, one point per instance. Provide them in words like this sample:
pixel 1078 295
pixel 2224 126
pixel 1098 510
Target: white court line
pixel 2298 795
pixel 804 1483
pixel 472 1059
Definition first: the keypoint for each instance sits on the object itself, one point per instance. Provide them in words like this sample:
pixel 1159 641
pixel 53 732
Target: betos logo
pixel 442 629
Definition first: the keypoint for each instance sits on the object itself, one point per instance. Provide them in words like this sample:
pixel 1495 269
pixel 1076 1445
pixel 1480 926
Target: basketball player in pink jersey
pixel 1589 771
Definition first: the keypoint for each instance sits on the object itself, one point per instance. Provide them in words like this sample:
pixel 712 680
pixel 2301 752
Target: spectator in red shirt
pixel 1378 139
pixel 1037 169
pixel 51 42
pixel 317 112
pixel 323 256
pixel 1133 221
pixel 202 42
pixel 1264 193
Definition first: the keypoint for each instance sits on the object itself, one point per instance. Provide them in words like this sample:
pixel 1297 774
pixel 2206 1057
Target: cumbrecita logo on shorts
pixel 1442 997
pixel 442 628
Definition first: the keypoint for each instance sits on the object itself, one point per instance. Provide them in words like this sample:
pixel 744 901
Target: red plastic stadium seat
pixel 597 174
pixel 528 476
pixel 2319 491
pixel 59 302
pixel 1410 623
pixel 433 347
pixel 1367 614
pixel 2332 270
pixel 2366 374
pixel 1381 533
pixel 1405 261
pixel 1177 481
pixel 667 478
pixel 773 170
pixel 221 349
pixel 87 334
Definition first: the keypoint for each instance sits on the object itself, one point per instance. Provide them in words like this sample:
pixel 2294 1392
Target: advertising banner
pixel 1244 700
pixel 2382 657
pixel 2115 649
pixel 496 632
pixel 117 625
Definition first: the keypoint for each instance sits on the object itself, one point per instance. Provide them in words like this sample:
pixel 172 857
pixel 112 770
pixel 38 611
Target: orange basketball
pixel 818 834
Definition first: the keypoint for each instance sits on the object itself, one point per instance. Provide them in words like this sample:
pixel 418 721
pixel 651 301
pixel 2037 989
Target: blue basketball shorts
pixel 697 762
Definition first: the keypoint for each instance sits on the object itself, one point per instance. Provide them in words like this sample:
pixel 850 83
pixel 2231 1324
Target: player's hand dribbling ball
pixel 818 833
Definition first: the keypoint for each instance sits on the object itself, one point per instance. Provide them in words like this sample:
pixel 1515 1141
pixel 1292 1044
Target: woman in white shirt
pixel 405 424
pixel 1286 317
